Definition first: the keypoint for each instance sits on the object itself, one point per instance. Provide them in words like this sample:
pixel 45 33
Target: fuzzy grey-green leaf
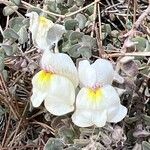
pixel 8 49
pixel 16 2
pixel 66 46
pixel 145 145
pixel 67 134
pixel 73 51
pixel 142 43
pixel 53 143
pixel 75 36
pixel 1 59
pixel 71 24
pixel 81 19
pixel 17 22
pixel 5 75
pixel 89 41
pixel 23 35
pixel 8 10
pixel 85 52
pixel 10 33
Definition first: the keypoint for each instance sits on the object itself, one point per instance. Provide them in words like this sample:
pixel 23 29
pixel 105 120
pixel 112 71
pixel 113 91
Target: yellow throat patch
pixel 44 77
pixel 95 94
pixel 43 21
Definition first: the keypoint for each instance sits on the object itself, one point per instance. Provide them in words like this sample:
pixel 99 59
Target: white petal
pixel 101 104
pixel 57 108
pixel 103 98
pixel 85 118
pixel 119 114
pixel 99 118
pixel 87 74
pixel 41 83
pixel 61 97
pixel 37 97
pixel 82 101
pixel 90 109
pixel 61 64
pixel 104 71
pixel 39 27
pixel 41 38
pixel 111 96
pixel 82 118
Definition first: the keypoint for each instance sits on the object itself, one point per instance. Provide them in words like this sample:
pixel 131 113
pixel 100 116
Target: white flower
pixel 97 102
pixel 55 84
pixel 44 32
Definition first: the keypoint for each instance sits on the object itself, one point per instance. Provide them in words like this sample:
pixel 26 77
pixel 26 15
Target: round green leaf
pixel 89 41
pixel 1 59
pixel 23 35
pixel 67 134
pixel 17 22
pixel 146 119
pixel 75 36
pixel 8 49
pixel 10 34
pixel 85 51
pixel 79 2
pixel 81 19
pixel 90 10
pixel 106 28
pixel 72 148
pixel 142 43
pixel 145 145
pixel 73 8
pixel 71 24
pixel 8 10
pixel 73 51
pixel 66 47
pixel 54 144
pixel 2 111
pixel 5 75
pixel 70 3
pixel 16 2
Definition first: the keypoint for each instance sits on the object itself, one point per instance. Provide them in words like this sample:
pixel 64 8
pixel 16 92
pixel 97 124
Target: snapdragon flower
pixel 45 34
pixel 97 102
pixel 55 84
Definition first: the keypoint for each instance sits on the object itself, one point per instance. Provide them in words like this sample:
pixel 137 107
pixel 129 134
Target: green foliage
pixel 142 44
pixel 54 143
pixel 8 49
pixel 67 134
pixel 71 35
pixel 10 34
pixel 106 30
pixel 8 10
pixel 2 111
pixel 81 20
pixel 72 148
pixel 16 2
pixel 1 59
pixel 78 44
pixel 23 35
pixel 146 119
pixel 71 24
pixel 17 23
pixel 145 145
pixel 17 31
